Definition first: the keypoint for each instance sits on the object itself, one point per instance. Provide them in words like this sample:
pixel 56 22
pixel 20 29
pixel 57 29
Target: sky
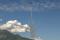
pixel 45 16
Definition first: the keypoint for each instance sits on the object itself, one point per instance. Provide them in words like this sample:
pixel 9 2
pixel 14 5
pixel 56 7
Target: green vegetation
pixel 5 35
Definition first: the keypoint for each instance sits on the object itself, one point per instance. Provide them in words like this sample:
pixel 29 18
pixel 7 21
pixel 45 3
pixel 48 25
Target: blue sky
pixel 46 15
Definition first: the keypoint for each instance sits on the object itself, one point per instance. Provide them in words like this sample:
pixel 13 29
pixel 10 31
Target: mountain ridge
pixel 5 35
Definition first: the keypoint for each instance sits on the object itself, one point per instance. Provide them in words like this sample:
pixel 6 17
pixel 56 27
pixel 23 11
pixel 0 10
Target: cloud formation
pixel 46 6
pixel 29 6
pixel 15 26
pixel 15 7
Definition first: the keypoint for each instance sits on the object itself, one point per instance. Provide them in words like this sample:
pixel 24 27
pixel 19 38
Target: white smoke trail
pixel 15 26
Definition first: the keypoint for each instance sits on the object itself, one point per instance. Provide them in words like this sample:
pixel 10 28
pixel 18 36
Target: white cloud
pixel 35 6
pixel 15 7
pixel 45 6
pixel 15 26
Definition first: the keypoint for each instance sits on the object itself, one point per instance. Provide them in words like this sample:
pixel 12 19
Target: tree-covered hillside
pixel 5 35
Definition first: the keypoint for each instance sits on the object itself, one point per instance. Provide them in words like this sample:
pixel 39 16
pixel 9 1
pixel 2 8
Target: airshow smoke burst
pixel 15 26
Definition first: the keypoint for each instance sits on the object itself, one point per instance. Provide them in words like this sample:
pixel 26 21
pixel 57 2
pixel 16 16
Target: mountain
pixel 5 35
